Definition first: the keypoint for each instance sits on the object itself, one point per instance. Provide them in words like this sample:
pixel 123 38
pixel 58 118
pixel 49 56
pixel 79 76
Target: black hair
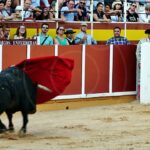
pixel 99 3
pixel 44 24
pixel 2 1
pixel 24 34
pixel 58 29
pixel 117 28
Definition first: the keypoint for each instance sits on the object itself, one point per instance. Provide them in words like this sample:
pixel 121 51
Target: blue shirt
pixel 69 16
pixel 118 41
pixel 88 41
pixel 48 41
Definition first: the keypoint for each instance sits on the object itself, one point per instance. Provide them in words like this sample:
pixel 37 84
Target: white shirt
pixel 143 17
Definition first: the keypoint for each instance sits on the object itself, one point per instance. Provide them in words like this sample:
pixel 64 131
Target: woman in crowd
pixel 8 7
pixel 21 32
pixel 117 15
pixel 60 39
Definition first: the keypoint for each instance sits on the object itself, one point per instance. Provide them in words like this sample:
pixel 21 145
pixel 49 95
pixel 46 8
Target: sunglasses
pixel 134 6
pixel 45 27
pixel 62 29
pixel 82 3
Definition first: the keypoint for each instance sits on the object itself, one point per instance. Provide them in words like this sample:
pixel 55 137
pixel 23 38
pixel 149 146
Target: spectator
pixel 95 2
pixel 117 11
pixel 3 13
pixel 18 14
pixel 88 3
pixel 7 32
pixel 1 31
pixel 83 16
pixel 8 7
pixel 27 12
pixel 132 16
pixel 21 32
pixel 48 13
pixel 117 39
pixel 70 36
pixel 108 11
pixel 145 15
pixel 37 13
pixel 69 13
pixel 99 14
pixel 60 39
pixel 84 38
pixel 44 38
pixel 36 3
pixel 138 57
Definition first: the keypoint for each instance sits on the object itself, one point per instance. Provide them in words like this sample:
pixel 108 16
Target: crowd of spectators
pixel 105 10
pixel 13 10
pixel 76 10
pixel 63 36
pixel 71 10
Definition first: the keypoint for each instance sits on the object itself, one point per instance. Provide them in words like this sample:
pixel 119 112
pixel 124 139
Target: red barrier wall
pixel 13 54
pixel 97 69
pixel 40 51
pixel 124 68
pixel 75 53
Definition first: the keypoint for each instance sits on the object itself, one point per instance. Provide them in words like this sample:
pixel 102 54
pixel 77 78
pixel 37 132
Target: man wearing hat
pixel 138 57
pixel 84 38
pixel 70 36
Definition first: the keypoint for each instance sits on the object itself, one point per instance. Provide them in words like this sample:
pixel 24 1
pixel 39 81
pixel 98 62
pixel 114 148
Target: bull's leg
pixel 2 127
pixel 25 121
pixel 10 125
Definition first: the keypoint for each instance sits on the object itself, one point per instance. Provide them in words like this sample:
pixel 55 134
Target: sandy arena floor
pixel 113 127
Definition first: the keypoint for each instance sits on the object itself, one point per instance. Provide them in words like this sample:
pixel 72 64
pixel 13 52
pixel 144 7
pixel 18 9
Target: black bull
pixel 17 93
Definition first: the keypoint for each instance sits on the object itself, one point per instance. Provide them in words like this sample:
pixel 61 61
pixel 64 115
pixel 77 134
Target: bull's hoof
pixel 22 132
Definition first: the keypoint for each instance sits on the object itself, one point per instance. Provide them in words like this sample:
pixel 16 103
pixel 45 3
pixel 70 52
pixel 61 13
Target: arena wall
pixel 99 70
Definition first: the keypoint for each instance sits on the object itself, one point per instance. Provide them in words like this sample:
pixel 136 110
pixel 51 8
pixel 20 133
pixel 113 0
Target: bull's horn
pixel 44 88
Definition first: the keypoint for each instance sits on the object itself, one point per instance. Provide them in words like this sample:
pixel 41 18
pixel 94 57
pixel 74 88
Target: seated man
pixel 117 39
pixel 70 36
pixel 83 16
pixel 44 38
pixel 84 38
pixel 145 15
pixel 99 14
pixel 69 13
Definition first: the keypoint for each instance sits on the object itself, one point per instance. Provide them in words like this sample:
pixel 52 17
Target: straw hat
pixel 83 24
pixel 116 2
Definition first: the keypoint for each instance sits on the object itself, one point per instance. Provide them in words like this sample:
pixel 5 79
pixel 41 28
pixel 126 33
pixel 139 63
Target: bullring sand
pixel 114 127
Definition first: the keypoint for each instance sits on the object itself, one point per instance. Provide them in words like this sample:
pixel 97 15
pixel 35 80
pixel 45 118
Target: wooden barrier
pixel 99 70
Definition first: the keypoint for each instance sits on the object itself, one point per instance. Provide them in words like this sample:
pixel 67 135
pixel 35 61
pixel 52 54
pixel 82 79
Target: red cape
pixel 52 71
